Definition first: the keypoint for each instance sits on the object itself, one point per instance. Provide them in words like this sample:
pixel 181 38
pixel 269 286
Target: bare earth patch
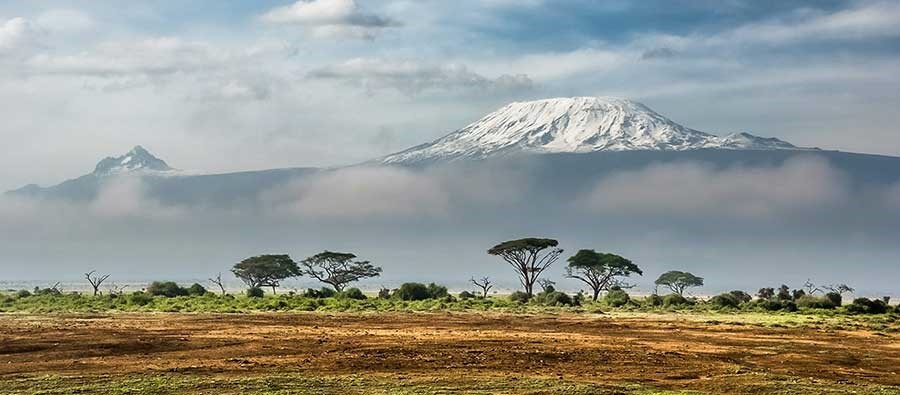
pixel 456 351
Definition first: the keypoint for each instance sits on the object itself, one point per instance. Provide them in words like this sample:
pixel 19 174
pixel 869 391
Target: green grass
pixel 749 314
pixel 294 384
pixel 301 385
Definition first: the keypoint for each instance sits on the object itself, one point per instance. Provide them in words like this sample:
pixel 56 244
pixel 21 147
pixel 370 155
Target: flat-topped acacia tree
pixel 266 270
pixel 529 257
pixel 678 281
pixel 599 270
pixel 338 269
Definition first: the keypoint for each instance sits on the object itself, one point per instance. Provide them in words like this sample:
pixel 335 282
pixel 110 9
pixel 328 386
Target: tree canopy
pixel 529 257
pixel 338 268
pixel 679 281
pixel 266 270
pixel 600 270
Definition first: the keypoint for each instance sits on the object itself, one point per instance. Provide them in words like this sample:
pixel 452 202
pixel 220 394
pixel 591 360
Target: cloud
pixel 361 193
pixel 64 21
pixel 152 56
pixel 412 78
pixel 126 197
pixel 330 17
pixel 15 33
pixel 658 53
pixel 698 190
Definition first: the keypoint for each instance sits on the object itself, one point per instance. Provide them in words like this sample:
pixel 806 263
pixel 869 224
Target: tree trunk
pixel 596 293
pixel 273 290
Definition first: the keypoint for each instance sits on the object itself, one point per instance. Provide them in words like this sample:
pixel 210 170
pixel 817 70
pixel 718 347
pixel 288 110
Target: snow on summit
pixel 577 124
pixel 136 160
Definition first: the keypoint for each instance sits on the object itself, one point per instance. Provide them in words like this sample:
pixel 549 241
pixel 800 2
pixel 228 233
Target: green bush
pixel 196 290
pixel 353 293
pixel 553 298
pixel 437 291
pixel 255 292
pixel 616 298
pixel 674 300
pixel 789 306
pixel 23 293
pixel 320 293
pixel 168 289
pixel 653 300
pixel 868 306
pixel 726 300
pixel 466 295
pixel 812 302
pixel 384 293
pixel 741 296
pixel 519 296
pixel 139 298
pixel 412 291
pixel 835 298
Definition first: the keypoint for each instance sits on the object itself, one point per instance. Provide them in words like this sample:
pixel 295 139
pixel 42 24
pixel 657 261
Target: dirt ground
pixel 666 354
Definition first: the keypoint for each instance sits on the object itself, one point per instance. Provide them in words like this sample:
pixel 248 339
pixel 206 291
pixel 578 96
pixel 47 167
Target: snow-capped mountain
pixel 576 125
pixel 136 160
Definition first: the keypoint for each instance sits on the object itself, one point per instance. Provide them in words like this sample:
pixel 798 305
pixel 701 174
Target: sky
pixel 228 85
pixel 218 86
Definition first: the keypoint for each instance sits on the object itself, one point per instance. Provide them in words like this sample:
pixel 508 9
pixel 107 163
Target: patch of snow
pixel 578 124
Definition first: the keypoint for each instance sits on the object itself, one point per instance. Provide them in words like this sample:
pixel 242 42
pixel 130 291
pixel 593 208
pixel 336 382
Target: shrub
pixel 437 291
pixel 320 293
pixel 384 293
pixel 616 298
pixel 553 298
pixel 412 291
pixel 741 296
pixel 867 306
pixel 653 300
pixel 789 306
pixel 835 298
pixel 23 293
pixel 168 289
pixel 466 295
pixel 353 293
pixel 196 290
pixel 255 292
pixel 139 298
pixel 47 291
pixel 674 300
pixel 725 300
pixel 519 296
pixel 769 304
pixel 812 302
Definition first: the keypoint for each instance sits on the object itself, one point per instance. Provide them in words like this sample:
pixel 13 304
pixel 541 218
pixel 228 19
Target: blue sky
pixel 232 85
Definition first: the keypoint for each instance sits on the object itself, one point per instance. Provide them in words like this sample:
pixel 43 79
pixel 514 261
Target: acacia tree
pixel 338 269
pixel 96 280
pixel 485 284
pixel 266 270
pixel 599 270
pixel 679 281
pixel 529 257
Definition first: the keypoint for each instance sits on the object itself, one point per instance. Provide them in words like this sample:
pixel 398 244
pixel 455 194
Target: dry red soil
pixel 669 354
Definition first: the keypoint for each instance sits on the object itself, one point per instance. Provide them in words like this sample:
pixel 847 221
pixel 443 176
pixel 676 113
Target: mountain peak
pixel 576 125
pixel 136 160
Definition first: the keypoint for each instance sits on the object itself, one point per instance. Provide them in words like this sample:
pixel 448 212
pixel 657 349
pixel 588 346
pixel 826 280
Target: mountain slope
pixel 575 125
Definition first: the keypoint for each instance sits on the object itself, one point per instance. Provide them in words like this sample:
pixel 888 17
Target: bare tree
pixel 218 281
pixel 96 280
pixel 810 287
pixel 485 285
pixel 547 285
pixel 117 290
